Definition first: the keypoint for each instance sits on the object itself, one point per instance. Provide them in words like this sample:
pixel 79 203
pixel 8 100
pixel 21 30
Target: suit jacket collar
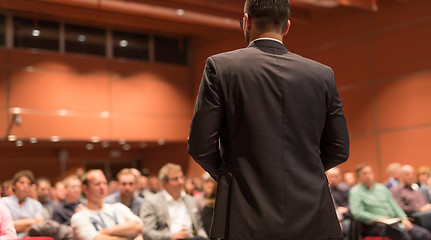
pixel 266 44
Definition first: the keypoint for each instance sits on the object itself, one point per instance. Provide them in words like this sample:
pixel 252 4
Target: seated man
pixel 409 198
pixel 126 194
pixel 43 189
pixel 25 211
pixel 372 202
pixel 393 170
pixel 171 213
pixel 103 221
pixel 64 210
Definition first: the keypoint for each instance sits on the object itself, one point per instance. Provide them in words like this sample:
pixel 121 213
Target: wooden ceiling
pixel 204 18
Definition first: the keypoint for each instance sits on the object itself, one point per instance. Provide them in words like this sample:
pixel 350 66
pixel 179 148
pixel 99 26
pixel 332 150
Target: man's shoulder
pixel 112 198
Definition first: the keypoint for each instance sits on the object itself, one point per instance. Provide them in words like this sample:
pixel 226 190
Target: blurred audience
pixel 25 211
pixel 407 193
pixel 127 187
pixel 58 192
pixel 393 171
pixel 206 200
pixel 64 210
pixel 112 186
pixel 6 188
pixel 100 221
pixel 43 189
pixel 372 202
pixel 171 214
pixel 153 184
pixel 350 178
pixel 423 176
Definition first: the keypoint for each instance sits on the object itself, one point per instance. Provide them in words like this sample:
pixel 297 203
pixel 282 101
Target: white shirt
pixel 87 223
pixel 179 215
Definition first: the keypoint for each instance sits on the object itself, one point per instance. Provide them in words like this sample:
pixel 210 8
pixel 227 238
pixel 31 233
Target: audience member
pixel 423 176
pixel 112 186
pixel 7 230
pixel 58 192
pixel 25 211
pixel 189 186
pixel 407 195
pixel 393 171
pixel 208 185
pixel 209 194
pixel 43 189
pixel 372 202
pixel 7 188
pixel 339 189
pixel 63 211
pixel 153 184
pixel 103 221
pixel 143 188
pixel 349 178
pixel 340 194
pixel 171 214
pixel 127 182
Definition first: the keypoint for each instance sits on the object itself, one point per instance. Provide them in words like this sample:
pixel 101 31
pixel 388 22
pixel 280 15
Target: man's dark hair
pixel 23 173
pixel 360 167
pixel 42 179
pixel 268 13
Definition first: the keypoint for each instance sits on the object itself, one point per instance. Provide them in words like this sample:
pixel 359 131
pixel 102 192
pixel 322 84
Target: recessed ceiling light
pixel 123 43
pixel 82 38
pixel 35 33
pixel 180 12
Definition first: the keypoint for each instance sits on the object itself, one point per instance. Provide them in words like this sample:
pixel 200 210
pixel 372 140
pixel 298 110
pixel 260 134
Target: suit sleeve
pixel 334 146
pixel 203 141
pixel 151 225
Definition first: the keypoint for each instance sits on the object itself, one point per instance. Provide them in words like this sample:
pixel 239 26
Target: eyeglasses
pixel 177 178
pixel 241 23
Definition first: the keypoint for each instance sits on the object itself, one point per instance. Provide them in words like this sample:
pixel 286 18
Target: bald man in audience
pixel 407 194
pixel 103 221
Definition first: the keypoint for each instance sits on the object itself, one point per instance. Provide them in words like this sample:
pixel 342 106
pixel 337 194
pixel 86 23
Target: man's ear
pixel 248 22
pixel 287 28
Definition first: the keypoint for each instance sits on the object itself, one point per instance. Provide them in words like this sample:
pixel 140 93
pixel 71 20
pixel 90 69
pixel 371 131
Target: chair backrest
pixel 423 219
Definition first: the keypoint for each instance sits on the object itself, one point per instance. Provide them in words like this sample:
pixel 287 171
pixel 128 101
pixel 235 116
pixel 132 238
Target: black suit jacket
pixel 266 126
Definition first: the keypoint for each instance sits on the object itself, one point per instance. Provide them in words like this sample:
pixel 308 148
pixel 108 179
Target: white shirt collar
pixel 264 38
pixel 169 198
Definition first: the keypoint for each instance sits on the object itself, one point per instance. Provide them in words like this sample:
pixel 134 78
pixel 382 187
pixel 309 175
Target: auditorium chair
pixel 356 232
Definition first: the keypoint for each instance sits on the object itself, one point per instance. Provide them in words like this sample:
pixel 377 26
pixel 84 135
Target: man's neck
pixel 95 204
pixel 271 35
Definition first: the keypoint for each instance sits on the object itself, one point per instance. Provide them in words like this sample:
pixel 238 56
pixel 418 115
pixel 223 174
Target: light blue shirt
pixel 29 208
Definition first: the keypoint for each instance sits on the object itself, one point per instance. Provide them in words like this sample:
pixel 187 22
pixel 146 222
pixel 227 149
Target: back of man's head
pixel 268 14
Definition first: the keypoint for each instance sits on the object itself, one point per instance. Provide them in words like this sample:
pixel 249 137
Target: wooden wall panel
pixel 363 149
pixel 359 114
pixel 410 146
pixel 405 102
pixel 350 62
pixel 402 51
pixel 54 91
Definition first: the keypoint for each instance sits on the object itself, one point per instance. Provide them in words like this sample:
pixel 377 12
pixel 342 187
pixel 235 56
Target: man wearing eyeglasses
pixel 171 214
pixel 267 125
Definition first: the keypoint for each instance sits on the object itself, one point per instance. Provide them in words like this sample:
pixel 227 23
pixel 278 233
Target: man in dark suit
pixel 267 125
